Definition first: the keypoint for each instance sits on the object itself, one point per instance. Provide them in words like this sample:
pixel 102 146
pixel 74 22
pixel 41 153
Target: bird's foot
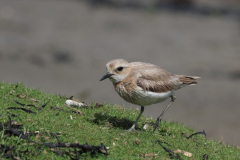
pixel 157 124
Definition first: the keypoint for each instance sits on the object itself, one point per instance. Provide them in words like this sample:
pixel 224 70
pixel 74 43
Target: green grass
pixel 106 124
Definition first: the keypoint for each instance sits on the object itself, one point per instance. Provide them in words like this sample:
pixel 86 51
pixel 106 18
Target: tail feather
pixel 189 80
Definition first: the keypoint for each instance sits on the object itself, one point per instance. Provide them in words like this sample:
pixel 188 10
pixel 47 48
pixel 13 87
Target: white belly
pixel 145 98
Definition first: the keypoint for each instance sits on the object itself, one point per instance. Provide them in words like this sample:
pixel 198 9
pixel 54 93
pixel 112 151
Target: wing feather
pixel 159 86
pixel 155 79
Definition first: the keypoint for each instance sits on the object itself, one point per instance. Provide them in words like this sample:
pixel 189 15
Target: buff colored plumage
pixel 145 84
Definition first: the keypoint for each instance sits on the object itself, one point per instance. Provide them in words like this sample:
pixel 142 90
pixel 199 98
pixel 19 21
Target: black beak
pixel 107 75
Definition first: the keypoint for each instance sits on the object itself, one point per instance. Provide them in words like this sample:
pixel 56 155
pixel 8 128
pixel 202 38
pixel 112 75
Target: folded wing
pixel 158 80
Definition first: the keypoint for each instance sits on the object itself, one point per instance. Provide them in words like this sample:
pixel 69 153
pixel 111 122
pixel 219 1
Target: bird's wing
pixel 161 85
pixel 153 78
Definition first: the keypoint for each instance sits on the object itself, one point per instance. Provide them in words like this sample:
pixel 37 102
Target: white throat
pixel 116 78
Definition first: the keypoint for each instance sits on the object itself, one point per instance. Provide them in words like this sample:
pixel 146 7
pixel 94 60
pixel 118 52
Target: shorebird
pixel 144 84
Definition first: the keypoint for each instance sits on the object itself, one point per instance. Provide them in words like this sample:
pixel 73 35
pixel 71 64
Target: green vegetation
pixel 99 124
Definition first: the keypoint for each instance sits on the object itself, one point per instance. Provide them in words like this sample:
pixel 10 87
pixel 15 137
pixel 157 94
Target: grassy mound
pixel 55 123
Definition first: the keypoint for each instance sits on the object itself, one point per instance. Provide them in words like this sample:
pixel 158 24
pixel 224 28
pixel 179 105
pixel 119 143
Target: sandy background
pixel 62 46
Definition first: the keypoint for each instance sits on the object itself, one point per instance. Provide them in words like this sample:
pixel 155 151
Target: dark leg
pixel 159 119
pixel 134 124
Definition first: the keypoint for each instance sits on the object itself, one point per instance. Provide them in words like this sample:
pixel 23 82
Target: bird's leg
pixel 134 124
pixel 159 119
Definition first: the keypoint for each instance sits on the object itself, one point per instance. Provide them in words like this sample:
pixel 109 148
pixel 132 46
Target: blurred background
pixel 62 47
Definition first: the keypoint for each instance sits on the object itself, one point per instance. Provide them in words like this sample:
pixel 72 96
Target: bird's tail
pixel 189 80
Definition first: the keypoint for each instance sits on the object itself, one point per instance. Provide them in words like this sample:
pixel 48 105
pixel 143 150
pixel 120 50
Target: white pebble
pixel 145 126
pixel 74 103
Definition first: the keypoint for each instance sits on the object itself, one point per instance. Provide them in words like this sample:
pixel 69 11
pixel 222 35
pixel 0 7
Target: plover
pixel 144 84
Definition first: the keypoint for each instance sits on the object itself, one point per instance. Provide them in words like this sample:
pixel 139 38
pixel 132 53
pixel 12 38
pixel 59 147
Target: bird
pixel 145 84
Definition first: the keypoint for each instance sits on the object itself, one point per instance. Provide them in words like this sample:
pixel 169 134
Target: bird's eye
pixel 120 68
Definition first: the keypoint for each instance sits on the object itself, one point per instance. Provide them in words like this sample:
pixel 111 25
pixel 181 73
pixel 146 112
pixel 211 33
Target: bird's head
pixel 117 70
